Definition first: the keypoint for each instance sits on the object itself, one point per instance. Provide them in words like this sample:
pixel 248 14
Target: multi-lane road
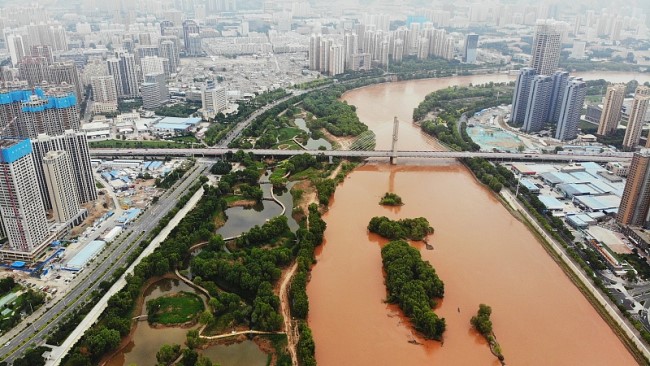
pixel 220 151
pixel 114 259
pixel 242 125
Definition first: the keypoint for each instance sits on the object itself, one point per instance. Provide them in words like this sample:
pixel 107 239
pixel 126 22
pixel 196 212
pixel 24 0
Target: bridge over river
pixel 394 154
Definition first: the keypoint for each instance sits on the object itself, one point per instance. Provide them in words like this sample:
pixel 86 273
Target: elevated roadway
pixel 220 151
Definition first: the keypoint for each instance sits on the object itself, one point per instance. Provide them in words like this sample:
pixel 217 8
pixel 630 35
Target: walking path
pixel 289 326
pixel 233 333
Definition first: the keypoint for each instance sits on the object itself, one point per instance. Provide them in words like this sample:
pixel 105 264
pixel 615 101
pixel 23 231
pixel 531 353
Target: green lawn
pixel 587 126
pixel 287 133
pixel 233 198
pixel 175 309
pixel 286 145
pixel 189 139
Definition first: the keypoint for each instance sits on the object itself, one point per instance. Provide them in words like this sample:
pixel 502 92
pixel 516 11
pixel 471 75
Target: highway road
pixel 104 268
pixel 245 123
pixel 219 151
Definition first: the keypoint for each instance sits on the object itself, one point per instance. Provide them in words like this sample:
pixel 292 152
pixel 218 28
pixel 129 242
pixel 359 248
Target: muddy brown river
pixel 481 252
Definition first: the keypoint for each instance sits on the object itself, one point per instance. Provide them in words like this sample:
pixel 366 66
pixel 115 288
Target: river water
pixel 481 252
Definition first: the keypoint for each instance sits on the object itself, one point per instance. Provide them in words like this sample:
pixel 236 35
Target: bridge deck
pixel 217 152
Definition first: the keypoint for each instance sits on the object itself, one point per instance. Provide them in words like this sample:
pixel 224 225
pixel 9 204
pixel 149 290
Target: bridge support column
pixel 393 157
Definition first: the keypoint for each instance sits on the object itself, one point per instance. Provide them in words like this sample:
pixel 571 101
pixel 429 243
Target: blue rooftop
pixel 85 255
pixel 15 96
pixel 16 151
pixel 551 202
pixel 129 215
pixel 53 102
pixel 529 185
pixel 176 123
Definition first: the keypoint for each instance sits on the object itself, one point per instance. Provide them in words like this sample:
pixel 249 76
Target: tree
pixel 168 353
pixel 481 322
pixel 630 276
pixel 190 357
pixel 221 167
pixel 193 340
pixel 206 317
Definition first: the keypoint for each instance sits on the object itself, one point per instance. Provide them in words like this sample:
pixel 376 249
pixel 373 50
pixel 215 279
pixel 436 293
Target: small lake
pixel 246 353
pixel 242 219
pixel 146 340
pixel 311 143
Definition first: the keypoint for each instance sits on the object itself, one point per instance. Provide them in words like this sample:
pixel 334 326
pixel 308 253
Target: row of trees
pixel 173 176
pixel 309 237
pixel 414 229
pixel 413 284
pixel 173 253
pixel 178 110
pixel 482 323
pixel 492 176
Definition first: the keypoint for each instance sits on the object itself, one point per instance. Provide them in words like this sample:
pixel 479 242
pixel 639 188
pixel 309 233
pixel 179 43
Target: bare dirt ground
pixel 343 142
pixel 96 209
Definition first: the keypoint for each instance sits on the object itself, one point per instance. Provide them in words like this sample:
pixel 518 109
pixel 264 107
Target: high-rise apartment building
pixel 42 51
pixel 21 208
pixel 66 72
pixel 50 113
pixel 637 117
pixel 191 37
pixel 611 115
pixel 76 145
pixel 104 89
pixel 155 65
pixel 123 70
pixel 470 49
pixel 635 202
pixel 521 94
pixel 16 47
pixel 169 51
pixel 194 45
pixel 324 52
pixel 213 101
pixel 62 190
pixel 546 46
pixel 361 61
pixel 141 52
pixel 314 52
pixel 104 94
pixel 96 66
pixel 560 81
pixel 336 60
pixel 571 107
pixel 34 69
pixel 350 48
pixel 154 91
pixel 539 100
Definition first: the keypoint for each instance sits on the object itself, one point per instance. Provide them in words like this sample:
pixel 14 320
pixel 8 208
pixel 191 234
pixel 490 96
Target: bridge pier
pixel 393 156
